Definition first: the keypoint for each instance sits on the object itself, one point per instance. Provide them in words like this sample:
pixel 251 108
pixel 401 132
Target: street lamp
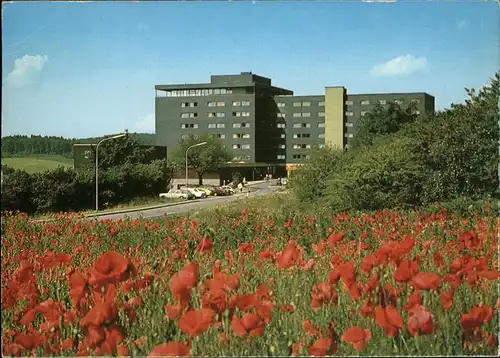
pixel 194 145
pixel 97 167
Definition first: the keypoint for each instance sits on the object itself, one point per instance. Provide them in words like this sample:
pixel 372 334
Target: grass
pixel 37 164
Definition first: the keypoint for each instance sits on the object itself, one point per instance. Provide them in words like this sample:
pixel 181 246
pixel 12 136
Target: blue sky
pixel 89 69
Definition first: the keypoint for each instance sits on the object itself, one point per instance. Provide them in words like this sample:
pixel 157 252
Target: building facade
pixel 265 126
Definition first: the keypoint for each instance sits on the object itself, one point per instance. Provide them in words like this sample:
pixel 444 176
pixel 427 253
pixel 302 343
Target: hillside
pixel 36 145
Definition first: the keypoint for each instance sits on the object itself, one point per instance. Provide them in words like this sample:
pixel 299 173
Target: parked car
pixel 205 190
pixel 228 188
pixel 281 181
pixel 177 194
pixel 218 191
pixel 197 193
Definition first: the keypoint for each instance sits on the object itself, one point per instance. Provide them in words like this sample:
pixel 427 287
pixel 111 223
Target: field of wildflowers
pixel 251 283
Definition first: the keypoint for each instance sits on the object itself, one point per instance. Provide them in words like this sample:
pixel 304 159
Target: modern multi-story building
pixel 266 127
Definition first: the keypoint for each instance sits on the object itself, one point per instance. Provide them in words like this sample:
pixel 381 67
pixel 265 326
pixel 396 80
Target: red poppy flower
pixel 102 312
pixel 323 293
pixel 67 344
pixel 171 349
pixel 246 248
pixel 371 284
pixel 322 347
pixel 215 300
pixel 267 254
pixel 110 267
pixel 470 241
pixel 334 238
pixel 426 281
pixel 78 288
pixel 29 341
pixel 288 257
pixel 308 265
pixel 488 274
pixel 446 299
pixel 406 270
pixel 287 308
pixel 476 317
pixel 347 272
pixel 420 321
pixel 194 323
pixel 367 309
pixel 368 262
pixel 389 319
pixel 357 336
pixel 205 245
pixel 174 311
pixel 309 328
pixel 183 281
pixel 250 324
pixel 122 351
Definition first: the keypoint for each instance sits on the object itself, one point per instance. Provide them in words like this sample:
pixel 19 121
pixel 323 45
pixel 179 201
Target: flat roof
pixel 192 86
pixel 389 94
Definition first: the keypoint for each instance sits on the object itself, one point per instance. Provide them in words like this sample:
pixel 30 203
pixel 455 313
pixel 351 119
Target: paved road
pixel 262 189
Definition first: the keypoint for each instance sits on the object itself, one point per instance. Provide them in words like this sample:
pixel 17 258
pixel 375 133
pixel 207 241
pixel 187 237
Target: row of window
pixel 301 156
pixel 300 104
pixel 194 92
pixel 215 114
pixel 223 136
pixel 366 102
pixel 280 115
pixel 223 125
pixel 216 104
pixel 300 125
pixel 303 115
pixel 241 158
pixel 364 113
pixel 215 125
pixel 307 135
pixel 241 146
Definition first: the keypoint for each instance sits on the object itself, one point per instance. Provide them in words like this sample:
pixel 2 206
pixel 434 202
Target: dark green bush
pixel 68 190
pixel 309 182
pixel 388 174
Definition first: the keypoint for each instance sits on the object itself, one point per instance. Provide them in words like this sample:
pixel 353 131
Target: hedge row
pixel 69 190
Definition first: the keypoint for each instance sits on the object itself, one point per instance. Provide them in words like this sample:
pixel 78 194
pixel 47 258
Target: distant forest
pixel 23 145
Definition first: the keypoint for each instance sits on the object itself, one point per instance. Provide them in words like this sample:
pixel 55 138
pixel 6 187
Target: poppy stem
pixel 405 344
pixel 417 338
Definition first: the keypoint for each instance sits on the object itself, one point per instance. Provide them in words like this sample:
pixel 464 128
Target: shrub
pixel 309 182
pixel 67 190
pixel 386 175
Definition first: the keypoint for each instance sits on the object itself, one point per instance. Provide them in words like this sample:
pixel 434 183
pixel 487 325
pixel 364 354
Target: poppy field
pixel 251 282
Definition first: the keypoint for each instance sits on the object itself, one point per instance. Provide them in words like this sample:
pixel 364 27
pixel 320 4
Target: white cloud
pixel 25 68
pixel 401 65
pixel 146 124
pixel 461 24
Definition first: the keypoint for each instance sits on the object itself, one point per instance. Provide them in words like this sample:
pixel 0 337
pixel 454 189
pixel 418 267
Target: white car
pixel 228 188
pixel 198 193
pixel 175 194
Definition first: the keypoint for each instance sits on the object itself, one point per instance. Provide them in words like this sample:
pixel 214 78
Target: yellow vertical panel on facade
pixel 334 116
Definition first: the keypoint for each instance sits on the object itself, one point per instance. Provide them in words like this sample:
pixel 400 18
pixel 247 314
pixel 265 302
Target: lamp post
pixel 97 167
pixel 194 145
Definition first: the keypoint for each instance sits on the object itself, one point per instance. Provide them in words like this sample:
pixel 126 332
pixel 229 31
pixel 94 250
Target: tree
pixel 383 121
pixel 460 147
pixel 203 159
pixel 120 151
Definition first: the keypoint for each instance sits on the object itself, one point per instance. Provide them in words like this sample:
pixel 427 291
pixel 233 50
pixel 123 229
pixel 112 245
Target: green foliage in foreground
pixel 69 190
